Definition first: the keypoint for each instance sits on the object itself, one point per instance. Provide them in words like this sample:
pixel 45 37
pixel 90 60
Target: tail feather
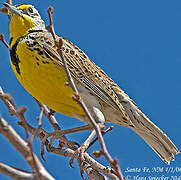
pixel 152 135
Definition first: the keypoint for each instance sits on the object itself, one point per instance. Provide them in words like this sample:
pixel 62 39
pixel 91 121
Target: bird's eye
pixel 30 10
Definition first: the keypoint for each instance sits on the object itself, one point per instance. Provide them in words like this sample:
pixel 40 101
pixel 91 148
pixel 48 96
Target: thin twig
pixel 50 11
pixel 20 115
pixel 38 129
pixel 14 172
pixel 9 2
pixel 63 141
pixel 113 162
pixel 3 41
pixel 49 116
pixel 103 133
pixel 5 11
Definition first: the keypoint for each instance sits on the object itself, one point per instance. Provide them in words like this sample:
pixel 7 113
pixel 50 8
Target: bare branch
pixel 103 133
pixel 15 173
pixel 49 116
pixel 50 27
pixel 89 160
pixel 20 114
pixel 39 119
pixel 93 174
pixel 9 105
pixel 22 147
pixel 5 11
pixel 63 142
pixel 71 153
pixel 9 2
pixel 1 35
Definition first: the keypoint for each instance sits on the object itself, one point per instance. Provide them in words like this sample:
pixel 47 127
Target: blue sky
pixel 138 44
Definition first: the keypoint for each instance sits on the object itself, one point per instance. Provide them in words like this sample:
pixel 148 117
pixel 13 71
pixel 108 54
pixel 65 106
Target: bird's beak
pixel 13 10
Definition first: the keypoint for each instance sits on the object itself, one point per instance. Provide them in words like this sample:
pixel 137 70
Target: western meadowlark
pixel 39 68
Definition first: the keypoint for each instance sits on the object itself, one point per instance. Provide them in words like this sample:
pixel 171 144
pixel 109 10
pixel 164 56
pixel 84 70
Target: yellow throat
pixel 20 26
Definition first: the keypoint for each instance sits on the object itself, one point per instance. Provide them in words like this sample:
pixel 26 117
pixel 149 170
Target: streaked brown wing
pixel 84 70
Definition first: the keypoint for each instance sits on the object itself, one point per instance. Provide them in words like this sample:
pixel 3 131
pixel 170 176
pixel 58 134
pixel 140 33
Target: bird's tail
pixel 152 135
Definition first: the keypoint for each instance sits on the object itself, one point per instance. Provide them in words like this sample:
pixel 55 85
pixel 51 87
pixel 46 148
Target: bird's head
pixel 23 19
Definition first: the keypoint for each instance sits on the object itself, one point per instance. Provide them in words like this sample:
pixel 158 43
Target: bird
pixel 38 66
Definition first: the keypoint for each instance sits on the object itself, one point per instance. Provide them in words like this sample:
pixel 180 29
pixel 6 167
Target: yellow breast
pixel 44 79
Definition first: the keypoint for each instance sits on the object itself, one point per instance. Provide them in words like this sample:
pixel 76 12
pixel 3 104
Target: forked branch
pixel 91 166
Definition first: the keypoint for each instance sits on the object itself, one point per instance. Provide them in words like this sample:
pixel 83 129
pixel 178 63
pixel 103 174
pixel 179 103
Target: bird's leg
pixel 79 153
pixel 86 143
pixel 57 134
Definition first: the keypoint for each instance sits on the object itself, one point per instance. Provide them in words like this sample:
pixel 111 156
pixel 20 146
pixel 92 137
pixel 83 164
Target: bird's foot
pixel 79 153
pixel 59 134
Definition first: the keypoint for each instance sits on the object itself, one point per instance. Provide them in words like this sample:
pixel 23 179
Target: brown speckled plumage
pixel 116 106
